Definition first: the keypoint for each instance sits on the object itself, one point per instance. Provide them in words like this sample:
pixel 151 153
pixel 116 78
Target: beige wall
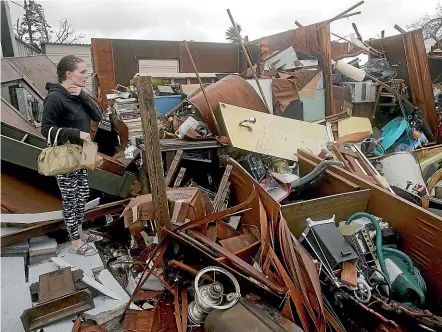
pixel 57 51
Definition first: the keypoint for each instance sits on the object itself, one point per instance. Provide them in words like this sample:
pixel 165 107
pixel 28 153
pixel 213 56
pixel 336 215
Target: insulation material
pixel 272 135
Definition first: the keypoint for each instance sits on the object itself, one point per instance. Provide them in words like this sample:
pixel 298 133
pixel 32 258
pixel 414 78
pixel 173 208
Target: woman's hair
pixel 67 63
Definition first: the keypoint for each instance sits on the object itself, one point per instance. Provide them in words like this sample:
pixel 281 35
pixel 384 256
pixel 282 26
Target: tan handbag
pixel 59 159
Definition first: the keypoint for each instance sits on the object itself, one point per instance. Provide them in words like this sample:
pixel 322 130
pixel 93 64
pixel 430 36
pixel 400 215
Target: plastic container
pixel 163 104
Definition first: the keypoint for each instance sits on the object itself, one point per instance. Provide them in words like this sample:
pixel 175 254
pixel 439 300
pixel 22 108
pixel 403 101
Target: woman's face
pixel 79 75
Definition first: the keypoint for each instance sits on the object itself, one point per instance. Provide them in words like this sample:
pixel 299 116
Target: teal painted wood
pixel 23 149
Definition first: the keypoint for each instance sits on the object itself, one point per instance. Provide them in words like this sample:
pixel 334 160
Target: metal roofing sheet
pixel 12 116
pixel 36 71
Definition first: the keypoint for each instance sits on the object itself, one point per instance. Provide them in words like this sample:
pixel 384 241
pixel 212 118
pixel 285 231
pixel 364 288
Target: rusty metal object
pixel 55 284
pixel 233 90
pixel 52 311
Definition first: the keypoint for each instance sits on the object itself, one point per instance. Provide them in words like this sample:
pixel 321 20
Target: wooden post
pixel 153 152
pixel 355 28
pixel 398 28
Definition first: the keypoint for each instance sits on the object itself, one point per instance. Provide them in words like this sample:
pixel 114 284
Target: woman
pixel 70 109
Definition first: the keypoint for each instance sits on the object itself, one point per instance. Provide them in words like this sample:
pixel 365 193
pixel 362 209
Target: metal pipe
pixel 202 87
pixel 249 62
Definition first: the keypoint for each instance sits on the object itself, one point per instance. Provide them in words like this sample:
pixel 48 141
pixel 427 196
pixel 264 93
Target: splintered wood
pixel 223 189
pixel 349 274
pixel 173 167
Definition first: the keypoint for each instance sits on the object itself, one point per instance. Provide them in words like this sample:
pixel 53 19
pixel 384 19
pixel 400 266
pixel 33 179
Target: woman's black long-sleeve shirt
pixel 70 113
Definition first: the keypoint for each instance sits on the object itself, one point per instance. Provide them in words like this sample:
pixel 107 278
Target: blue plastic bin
pixel 164 104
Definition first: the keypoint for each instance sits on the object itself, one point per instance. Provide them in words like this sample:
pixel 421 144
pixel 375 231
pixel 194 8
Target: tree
pixel 231 34
pixel 430 25
pixel 35 29
pixel 66 34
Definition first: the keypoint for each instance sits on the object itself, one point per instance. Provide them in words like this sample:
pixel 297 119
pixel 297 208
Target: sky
pixel 208 20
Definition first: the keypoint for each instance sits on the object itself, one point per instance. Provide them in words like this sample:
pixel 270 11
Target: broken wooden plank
pixel 184 308
pixel 238 243
pixel 179 178
pixel 28 218
pixel 349 274
pixel 173 167
pixel 239 263
pixel 221 193
pixel 55 310
pixel 177 311
pixel 187 268
pixel 55 284
pixel 88 280
pixel 45 227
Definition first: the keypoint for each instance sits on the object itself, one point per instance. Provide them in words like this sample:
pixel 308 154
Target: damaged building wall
pixel 115 61
pixel 408 52
pixel 311 41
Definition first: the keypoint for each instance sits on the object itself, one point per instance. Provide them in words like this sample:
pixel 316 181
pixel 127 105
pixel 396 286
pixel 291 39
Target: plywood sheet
pixel 341 205
pixel 272 135
pixel 354 125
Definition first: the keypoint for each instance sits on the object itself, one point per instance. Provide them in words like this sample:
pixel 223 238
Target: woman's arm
pixel 90 107
pixel 52 115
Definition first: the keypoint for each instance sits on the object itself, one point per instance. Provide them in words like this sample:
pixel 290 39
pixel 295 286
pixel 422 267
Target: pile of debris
pixel 303 194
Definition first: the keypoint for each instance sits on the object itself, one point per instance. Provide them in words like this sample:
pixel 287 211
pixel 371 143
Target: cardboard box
pixel 184 203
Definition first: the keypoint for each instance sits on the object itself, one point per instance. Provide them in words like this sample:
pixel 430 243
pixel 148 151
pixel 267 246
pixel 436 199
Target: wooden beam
pixel 173 167
pixel 179 178
pixel 221 194
pixel 45 227
pixel 153 153
pixel 298 24
pixel 398 28
pixel 355 28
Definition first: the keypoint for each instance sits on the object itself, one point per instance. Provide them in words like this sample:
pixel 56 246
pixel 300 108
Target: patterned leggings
pixel 74 189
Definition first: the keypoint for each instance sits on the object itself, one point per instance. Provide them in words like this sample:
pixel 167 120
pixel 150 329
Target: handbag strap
pixel 56 136
pixel 49 136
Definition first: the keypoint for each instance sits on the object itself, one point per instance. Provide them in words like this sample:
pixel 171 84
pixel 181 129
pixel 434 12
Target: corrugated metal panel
pixel 158 66
pixel 13 117
pixel 24 49
pixel 9 73
pixel 34 70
